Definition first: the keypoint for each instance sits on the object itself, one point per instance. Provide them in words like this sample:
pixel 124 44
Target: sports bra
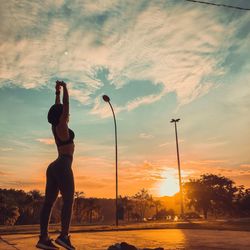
pixel 59 142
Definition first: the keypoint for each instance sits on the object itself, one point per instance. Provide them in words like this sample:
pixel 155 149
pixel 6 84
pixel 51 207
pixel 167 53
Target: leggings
pixel 59 177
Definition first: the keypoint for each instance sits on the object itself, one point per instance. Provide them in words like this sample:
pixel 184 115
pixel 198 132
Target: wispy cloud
pixel 208 162
pixel 4 173
pixel 6 149
pixel 245 166
pixel 162 54
pixel 175 45
pixel 164 144
pixel 146 136
pixel 47 141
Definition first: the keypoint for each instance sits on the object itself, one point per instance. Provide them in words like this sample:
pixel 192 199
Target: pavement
pixel 167 238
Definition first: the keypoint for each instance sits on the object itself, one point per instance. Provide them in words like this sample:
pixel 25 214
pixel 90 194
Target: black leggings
pixel 59 178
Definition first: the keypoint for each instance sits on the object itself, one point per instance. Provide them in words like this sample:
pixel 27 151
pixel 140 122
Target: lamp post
pixel 107 99
pixel 179 167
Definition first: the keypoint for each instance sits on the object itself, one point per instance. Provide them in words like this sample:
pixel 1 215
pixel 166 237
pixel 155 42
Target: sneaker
pixel 46 244
pixel 64 241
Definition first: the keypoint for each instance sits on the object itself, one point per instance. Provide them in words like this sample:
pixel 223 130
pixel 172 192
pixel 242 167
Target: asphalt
pixel 166 238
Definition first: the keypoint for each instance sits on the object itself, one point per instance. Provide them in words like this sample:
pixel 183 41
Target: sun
pixel 170 184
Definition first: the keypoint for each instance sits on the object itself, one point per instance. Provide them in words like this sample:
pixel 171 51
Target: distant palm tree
pixel 91 207
pixel 78 196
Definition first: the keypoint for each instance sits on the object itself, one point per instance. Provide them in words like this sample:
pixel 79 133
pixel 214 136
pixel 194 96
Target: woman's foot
pixel 64 241
pixel 46 243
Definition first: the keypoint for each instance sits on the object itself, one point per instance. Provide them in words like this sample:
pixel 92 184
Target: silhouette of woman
pixel 59 175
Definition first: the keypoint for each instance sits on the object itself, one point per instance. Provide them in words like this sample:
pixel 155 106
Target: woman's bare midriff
pixel 66 149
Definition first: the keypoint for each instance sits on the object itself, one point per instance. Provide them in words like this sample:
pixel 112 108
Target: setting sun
pixel 169 186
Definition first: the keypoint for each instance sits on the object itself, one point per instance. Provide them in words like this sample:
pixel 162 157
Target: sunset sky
pixel 157 60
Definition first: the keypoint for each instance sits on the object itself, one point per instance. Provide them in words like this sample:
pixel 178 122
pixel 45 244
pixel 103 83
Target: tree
pixel 223 192
pixel 12 199
pixel 92 208
pixel 157 204
pixel 199 196
pixel 127 204
pixel 36 195
pixel 242 201
pixel 79 195
pixel 245 202
pixel 161 214
pixel 143 201
pixel 35 206
pixel 9 215
pixel 211 193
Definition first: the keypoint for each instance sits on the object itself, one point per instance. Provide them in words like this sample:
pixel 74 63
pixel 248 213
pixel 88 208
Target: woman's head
pixel 54 114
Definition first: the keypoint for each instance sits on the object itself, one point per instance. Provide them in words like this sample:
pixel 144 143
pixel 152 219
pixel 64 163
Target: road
pixel 166 238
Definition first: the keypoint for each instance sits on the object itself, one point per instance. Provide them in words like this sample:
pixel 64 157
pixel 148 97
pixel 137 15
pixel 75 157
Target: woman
pixel 59 175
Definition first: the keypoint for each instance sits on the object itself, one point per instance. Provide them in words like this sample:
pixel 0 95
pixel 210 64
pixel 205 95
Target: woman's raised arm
pixel 58 88
pixel 65 114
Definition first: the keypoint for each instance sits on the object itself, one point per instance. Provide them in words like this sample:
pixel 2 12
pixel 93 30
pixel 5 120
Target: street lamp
pixel 107 99
pixel 179 167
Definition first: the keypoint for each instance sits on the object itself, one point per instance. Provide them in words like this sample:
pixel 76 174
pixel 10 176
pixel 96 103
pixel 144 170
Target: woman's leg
pixel 65 180
pixel 51 194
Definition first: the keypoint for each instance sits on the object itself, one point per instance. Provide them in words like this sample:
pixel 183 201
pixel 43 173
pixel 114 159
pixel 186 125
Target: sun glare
pixel 170 185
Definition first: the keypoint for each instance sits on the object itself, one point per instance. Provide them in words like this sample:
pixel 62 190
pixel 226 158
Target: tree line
pixel 210 195
pixel 18 207
pixel 217 196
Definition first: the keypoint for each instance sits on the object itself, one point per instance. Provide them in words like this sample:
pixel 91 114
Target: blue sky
pixel 157 60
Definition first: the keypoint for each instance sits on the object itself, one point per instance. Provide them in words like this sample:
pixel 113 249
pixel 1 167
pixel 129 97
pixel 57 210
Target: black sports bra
pixel 59 142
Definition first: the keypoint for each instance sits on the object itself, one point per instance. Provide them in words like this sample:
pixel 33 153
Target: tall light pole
pixel 179 167
pixel 107 99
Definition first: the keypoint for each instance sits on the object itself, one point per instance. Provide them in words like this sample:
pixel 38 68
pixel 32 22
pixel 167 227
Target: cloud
pixel 146 170
pixel 102 109
pixel 164 144
pixel 247 166
pixel 175 45
pixel 24 185
pixel 4 173
pixel 236 172
pixel 143 100
pixel 6 149
pixel 47 141
pixel 207 162
pixel 21 143
pixel 211 145
pixel 146 136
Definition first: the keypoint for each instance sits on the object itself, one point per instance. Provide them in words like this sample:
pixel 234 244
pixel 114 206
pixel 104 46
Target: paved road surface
pixel 167 238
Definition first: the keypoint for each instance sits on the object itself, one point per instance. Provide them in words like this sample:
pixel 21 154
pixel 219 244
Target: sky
pixel 157 60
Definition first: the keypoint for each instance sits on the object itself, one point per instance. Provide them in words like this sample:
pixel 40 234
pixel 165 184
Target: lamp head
pixel 105 98
pixel 175 120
